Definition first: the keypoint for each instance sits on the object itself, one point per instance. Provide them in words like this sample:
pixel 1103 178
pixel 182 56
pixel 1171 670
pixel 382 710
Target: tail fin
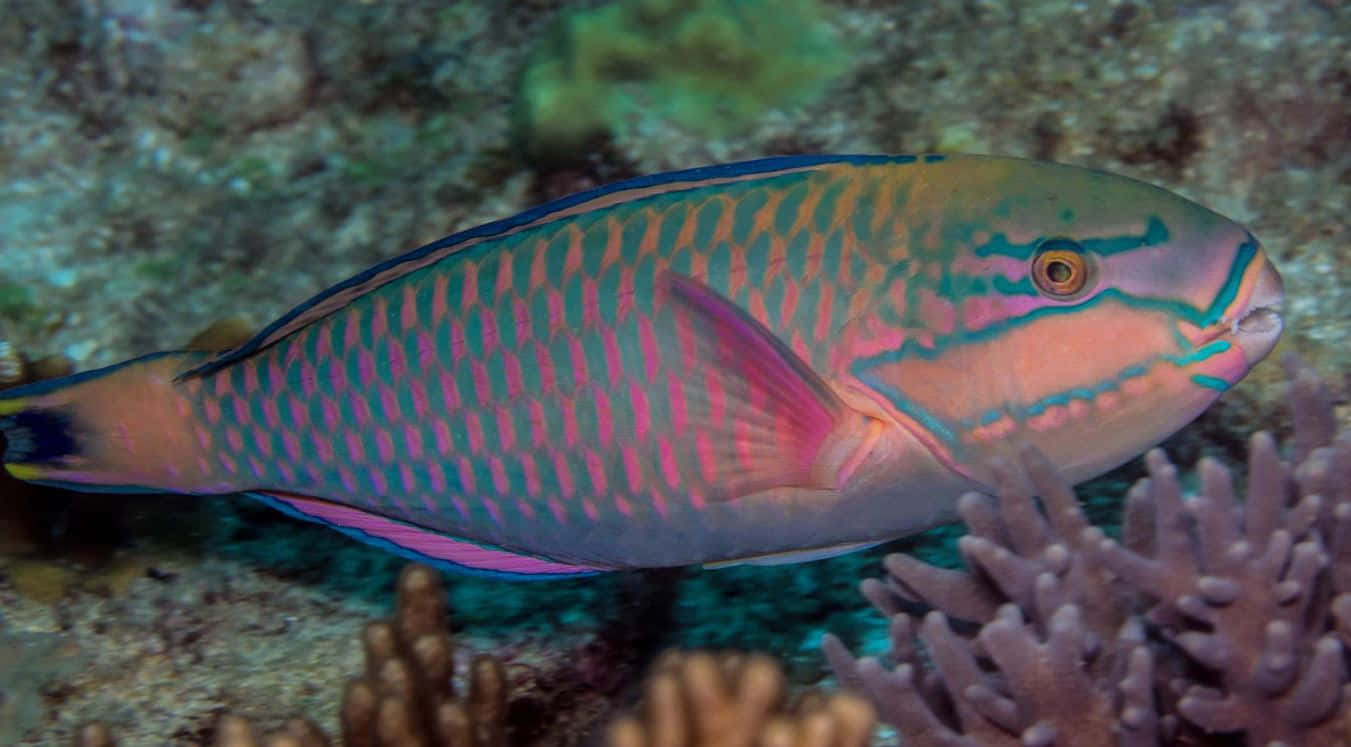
pixel 117 428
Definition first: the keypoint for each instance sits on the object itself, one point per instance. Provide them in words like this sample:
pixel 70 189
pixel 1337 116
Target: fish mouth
pixel 1256 326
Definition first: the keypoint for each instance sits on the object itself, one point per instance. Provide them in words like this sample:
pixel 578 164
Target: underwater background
pixel 174 166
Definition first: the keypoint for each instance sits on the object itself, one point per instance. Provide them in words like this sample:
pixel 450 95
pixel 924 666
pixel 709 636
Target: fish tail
pixel 121 428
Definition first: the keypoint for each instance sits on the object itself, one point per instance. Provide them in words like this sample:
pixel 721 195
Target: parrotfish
pixel 754 362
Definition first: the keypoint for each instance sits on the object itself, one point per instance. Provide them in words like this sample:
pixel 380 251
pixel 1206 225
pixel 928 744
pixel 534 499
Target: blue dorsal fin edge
pixel 422 545
pixel 498 227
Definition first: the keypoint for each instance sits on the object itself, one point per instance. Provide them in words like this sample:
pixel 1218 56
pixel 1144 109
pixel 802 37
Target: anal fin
pixel 794 556
pixel 420 544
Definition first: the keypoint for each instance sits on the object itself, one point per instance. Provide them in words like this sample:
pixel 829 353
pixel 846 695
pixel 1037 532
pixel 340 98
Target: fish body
pixel 784 357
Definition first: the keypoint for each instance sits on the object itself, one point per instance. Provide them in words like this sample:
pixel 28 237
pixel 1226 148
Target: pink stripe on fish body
pixel 506 429
pixel 544 366
pixel 396 362
pixel 384 446
pixel 408 313
pixel 511 371
pixel 614 363
pixel 417 391
pixel 380 318
pixel 271 416
pixel 437 475
pixel 445 445
pixel 412 441
pixel 389 405
pixel 563 473
pixel 483 388
pixel 250 380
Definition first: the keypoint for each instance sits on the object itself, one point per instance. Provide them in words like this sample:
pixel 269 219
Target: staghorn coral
pixel 697 699
pixel 1214 620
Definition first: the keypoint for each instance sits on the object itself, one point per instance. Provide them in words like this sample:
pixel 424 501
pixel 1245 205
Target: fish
pixel 765 361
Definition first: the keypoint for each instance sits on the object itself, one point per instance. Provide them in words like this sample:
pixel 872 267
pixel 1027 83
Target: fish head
pixel 1087 314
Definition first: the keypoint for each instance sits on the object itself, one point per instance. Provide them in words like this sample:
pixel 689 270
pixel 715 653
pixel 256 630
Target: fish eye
pixel 1060 270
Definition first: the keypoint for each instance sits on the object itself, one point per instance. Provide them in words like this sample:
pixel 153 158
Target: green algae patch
pixel 714 66
pixel 16 300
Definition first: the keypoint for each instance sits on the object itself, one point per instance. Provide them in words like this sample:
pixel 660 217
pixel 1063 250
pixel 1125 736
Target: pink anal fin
pixel 793 556
pixel 760 416
pixel 420 544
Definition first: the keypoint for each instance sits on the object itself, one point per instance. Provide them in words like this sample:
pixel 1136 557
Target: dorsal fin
pixel 337 296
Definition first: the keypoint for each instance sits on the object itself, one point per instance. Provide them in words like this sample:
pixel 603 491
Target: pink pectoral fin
pixel 760 415
pixel 418 543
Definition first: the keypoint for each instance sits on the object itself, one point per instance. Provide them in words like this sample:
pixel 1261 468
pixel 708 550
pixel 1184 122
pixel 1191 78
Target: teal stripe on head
pixel 1210 382
pixel 999 245
pixel 1021 287
pixel 1156 232
pixel 1205 351
pixel 1243 257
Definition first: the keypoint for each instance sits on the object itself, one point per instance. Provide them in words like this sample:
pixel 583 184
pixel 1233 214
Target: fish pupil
pixel 1059 271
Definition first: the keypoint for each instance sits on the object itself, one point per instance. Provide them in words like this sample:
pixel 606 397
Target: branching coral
pixel 406 697
pixel 733 700
pixel 1213 618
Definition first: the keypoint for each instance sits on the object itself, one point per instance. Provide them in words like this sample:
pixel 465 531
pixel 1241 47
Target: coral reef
pixel 406 698
pixel 1213 620
pixel 712 65
pixel 697 699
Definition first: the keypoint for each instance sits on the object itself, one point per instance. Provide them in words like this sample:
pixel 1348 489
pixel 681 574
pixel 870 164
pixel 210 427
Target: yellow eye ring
pixel 1060 270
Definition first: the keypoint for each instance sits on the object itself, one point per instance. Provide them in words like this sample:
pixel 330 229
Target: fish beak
pixel 1257 325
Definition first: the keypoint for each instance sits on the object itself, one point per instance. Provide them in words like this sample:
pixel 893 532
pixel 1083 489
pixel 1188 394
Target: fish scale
pixel 493 336
pixel 792 355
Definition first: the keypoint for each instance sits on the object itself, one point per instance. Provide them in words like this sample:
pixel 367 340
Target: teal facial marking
pixel 1156 232
pixel 1210 382
pixel 1242 258
pixel 1202 353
